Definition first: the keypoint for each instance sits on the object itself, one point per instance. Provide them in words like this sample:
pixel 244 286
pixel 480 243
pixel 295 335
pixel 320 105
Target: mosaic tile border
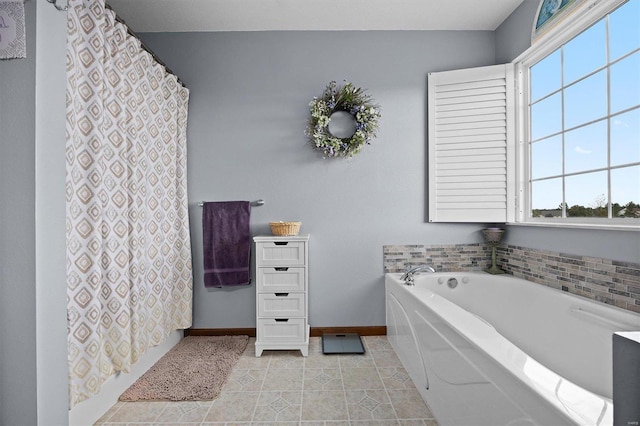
pixel 603 280
pixel 452 257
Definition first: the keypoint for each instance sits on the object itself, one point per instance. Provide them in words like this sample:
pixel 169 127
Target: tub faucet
pixel 407 277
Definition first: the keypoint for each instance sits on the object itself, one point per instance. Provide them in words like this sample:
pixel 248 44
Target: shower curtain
pixel 129 280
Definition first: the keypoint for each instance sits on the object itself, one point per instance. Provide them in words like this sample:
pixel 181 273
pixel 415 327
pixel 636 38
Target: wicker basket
pixel 285 228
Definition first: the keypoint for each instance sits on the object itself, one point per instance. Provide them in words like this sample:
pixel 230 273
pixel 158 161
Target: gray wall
pixel 51 274
pixel 17 234
pixel 33 355
pixel 512 38
pixel 248 111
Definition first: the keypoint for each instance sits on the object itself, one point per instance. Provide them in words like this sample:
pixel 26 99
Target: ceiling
pixel 278 15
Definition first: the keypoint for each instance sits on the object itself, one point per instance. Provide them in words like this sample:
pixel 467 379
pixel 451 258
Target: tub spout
pixel 407 277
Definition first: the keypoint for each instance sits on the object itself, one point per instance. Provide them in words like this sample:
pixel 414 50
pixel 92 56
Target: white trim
pixel 582 16
pixel 554 22
pixel 569 223
pixel 521 164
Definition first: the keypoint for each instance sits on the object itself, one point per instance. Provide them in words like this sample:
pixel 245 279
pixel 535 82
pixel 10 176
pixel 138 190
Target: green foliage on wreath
pixel 347 98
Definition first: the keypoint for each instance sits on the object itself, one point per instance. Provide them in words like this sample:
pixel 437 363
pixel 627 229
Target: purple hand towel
pixel 227 243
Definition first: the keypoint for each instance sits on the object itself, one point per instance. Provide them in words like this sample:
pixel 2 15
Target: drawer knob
pixel 282 294
pixel 281 269
pixel 281 319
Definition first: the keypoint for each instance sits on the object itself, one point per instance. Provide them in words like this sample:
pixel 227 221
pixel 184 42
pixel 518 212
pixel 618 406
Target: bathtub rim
pixel 494 345
pixel 538 286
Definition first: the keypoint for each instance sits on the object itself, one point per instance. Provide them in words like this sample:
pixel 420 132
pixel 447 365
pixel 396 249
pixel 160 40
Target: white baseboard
pixel 89 411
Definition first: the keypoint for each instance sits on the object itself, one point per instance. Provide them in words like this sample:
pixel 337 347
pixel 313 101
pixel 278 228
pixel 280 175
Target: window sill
pixel 579 225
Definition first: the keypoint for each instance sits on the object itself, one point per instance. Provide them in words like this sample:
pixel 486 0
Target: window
pixel 581 159
pixel 575 157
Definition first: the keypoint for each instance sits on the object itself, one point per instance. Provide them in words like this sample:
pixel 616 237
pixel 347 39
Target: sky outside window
pixel 585 117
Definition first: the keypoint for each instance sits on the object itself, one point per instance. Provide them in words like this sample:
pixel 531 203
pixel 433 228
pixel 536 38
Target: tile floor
pixel 283 387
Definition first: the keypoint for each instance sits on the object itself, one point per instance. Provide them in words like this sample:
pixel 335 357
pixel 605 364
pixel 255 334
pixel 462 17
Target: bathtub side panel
pixel 536 318
pixel 464 386
pixel 400 335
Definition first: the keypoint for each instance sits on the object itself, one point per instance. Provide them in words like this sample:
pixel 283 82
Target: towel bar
pixel 255 203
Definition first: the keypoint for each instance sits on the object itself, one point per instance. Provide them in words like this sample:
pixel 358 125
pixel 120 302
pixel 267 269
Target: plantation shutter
pixel 471 145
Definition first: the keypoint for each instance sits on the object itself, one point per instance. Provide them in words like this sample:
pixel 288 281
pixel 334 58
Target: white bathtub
pixel 498 350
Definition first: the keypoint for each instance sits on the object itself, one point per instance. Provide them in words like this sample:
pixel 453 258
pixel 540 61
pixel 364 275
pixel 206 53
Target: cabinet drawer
pixel 281 279
pixel 282 329
pixel 280 253
pixel 281 305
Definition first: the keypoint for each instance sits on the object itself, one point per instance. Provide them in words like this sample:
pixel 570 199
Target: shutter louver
pixel 470 128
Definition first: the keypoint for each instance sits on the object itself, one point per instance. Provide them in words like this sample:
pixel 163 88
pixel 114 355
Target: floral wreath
pixel 349 99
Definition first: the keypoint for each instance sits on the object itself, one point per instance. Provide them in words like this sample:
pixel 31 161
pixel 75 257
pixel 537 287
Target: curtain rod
pixel 130 32
pixel 144 46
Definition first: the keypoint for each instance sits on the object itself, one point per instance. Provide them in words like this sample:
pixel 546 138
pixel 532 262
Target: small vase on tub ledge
pixel 493 237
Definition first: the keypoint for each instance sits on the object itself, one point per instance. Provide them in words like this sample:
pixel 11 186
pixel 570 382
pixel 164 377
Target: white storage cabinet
pixel 281 293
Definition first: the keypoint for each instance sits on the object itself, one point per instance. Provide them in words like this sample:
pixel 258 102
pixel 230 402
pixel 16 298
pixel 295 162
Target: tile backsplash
pixel 453 257
pixel 604 280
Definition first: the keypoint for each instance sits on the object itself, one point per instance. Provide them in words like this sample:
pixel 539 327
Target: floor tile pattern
pixel 285 388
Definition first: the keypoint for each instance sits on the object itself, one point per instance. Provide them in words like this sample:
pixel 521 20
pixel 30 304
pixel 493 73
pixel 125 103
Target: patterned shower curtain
pixel 129 280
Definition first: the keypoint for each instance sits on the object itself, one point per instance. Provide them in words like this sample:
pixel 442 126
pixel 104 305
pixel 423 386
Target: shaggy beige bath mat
pixel 194 370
